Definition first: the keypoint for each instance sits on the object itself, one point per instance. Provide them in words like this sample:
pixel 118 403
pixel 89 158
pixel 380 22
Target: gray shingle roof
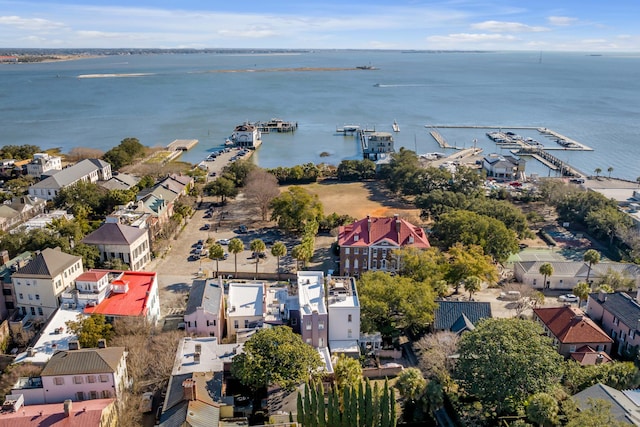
pixel 622 306
pixel 48 263
pixel 69 175
pixel 112 233
pixel 560 268
pixel 448 313
pixel 204 293
pixel 84 361
pixel 622 407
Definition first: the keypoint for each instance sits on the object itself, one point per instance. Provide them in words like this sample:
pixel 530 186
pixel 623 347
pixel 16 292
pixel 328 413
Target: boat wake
pixel 404 85
pixel 113 75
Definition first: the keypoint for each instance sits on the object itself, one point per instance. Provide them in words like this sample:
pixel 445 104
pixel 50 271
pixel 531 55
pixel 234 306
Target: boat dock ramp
pixel 352 129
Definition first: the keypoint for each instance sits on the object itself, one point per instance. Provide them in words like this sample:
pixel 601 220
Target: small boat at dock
pixel 396 127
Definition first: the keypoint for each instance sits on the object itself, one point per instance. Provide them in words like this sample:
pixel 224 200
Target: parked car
pixel 260 255
pixel 223 241
pixel 242 229
pixel 146 402
pixel 568 298
pixel 205 227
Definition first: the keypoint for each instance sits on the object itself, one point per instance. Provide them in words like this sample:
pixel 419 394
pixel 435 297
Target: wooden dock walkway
pixel 549 159
pixel 182 144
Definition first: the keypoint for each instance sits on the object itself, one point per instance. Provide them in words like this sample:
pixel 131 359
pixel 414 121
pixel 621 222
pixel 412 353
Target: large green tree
pixel 223 188
pixel 470 228
pixel 295 208
pixel 276 356
pixel 389 303
pixel 411 384
pixel 465 262
pixel 216 253
pixel 90 329
pixel 347 372
pixel 504 361
pixel 542 409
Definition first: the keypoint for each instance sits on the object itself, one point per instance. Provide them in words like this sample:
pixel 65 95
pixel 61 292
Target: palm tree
pixel 472 284
pixel 610 169
pixel 598 171
pixel 278 250
pixel 546 270
pixel 592 257
pixel 258 247
pixel 235 247
pixel 216 252
pixel 581 290
pixel 638 180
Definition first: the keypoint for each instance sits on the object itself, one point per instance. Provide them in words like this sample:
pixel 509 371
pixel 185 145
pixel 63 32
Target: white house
pixel 343 308
pixel 204 315
pixel 246 307
pixel 43 163
pixel 247 135
pixel 123 242
pixel 503 167
pixel 90 170
pixel 77 375
pixel 38 284
pixel 567 274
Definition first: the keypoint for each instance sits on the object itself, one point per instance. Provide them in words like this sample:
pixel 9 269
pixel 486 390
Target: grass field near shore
pixel 360 199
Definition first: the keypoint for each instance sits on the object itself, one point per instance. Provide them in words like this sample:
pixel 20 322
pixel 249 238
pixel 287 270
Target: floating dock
pixel 550 161
pixel 182 144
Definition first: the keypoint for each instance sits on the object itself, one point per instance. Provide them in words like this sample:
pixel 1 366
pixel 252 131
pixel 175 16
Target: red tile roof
pixel 571 326
pixel 131 303
pixel 85 413
pixel 91 276
pixel 585 355
pixel 372 230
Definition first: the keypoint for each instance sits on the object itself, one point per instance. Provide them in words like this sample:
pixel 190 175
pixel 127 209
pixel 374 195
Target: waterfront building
pixel 89 170
pixel 43 164
pixel 247 135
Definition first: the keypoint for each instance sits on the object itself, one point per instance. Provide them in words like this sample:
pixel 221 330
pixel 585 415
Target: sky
pixel 540 25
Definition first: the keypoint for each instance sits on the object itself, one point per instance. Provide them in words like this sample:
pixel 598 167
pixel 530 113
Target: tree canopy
pixel 295 208
pixel 276 356
pixel 90 330
pixel 389 303
pixel 470 228
pixel 504 361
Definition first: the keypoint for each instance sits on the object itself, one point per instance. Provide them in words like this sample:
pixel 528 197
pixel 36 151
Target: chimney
pixel 599 358
pixel 196 358
pixel 198 348
pixel 102 343
pixel 74 345
pixel 397 219
pixel 602 296
pixel 67 408
pixel 369 227
pixel 189 389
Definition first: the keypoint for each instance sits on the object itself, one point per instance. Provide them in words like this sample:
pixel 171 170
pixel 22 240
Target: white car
pixel 223 241
pixel 146 402
pixel 568 298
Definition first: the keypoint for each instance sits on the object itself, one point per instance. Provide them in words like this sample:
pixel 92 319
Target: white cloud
pixel 469 37
pixel 30 24
pixel 248 33
pixel 507 27
pixel 561 21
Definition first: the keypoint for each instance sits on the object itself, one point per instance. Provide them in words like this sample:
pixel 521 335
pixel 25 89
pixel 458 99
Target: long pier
pixel 549 159
pixel 182 144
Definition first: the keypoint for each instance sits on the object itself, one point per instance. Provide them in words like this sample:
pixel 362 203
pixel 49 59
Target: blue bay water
pixel 592 99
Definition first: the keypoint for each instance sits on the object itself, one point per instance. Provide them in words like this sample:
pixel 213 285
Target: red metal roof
pixel 571 326
pixel 131 303
pixel 585 355
pixel 372 230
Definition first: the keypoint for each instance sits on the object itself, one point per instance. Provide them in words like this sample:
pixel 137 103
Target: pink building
pixel 204 315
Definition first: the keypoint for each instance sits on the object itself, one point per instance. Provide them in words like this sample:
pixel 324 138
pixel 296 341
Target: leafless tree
pixel 261 188
pixel 11 374
pixel 434 354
